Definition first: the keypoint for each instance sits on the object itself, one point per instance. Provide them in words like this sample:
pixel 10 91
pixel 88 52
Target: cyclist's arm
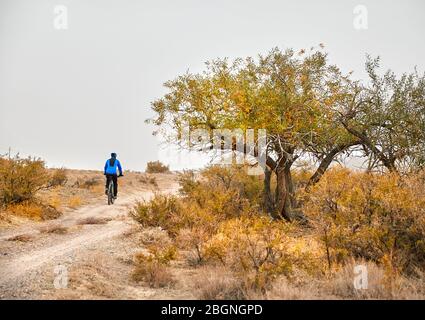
pixel 106 166
pixel 119 167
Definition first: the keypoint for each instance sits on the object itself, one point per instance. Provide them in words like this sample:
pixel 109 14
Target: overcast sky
pixel 72 96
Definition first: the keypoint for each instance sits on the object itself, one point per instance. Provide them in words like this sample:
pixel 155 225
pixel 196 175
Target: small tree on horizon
pixel 156 167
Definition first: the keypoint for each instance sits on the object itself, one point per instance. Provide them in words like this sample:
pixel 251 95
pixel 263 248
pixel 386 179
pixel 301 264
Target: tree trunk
pixel 284 187
pixel 268 200
pixel 327 160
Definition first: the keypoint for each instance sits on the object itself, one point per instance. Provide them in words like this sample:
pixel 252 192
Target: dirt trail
pixel 27 267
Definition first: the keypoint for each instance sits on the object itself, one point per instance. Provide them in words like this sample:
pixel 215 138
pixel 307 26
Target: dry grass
pixel 21 238
pixel 283 289
pixel 55 201
pixel 154 235
pixel 219 284
pixel 27 209
pixel 91 279
pixel 34 211
pixel 74 202
pixel 55 229
pixel 93 220
pixel 382 284
pixel 153 274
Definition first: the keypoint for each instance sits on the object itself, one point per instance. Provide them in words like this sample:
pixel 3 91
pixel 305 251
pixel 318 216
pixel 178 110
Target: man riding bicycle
pixel 110 171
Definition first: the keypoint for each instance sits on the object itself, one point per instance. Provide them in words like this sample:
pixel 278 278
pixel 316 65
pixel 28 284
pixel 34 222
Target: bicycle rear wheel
pixel 111 193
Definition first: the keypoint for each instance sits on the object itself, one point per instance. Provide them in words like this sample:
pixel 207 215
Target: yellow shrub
pixel 55 200
pixel 258 249
pixel 151 267
pixel 74 202
pixel 28 210
pixel 369 216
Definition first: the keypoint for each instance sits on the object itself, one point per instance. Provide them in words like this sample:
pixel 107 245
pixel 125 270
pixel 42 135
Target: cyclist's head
pixel 113 155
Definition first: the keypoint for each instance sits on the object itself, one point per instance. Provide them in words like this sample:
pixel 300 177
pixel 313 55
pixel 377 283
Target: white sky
pixel 73 96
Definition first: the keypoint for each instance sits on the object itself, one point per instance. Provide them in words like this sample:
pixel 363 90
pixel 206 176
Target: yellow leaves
pixel 369 215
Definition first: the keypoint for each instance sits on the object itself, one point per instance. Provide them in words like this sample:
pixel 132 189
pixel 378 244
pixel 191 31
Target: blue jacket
pixel 111 166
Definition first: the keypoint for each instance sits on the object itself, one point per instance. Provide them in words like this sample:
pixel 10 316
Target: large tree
pixel 290 95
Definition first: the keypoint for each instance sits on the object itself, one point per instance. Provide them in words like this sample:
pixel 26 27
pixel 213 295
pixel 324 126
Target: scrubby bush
pixel 156 167
pixel 217 221
pixel 33 210
pixel 58 178
pixel 158 212
pixel 91 182
pixel 259 249
pixel 371 216
pixel 21 178
pixel 151 267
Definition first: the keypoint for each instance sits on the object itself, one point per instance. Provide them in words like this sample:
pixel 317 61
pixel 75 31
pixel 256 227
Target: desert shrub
pixel 371 216
pixel 156 167
pixel 91 182
pixel 226 187
pixel 33 210
pixel 194 239
pixel 27 209
pixel 58 178
pixel 152 181
pixel 217 219
pixel 151 267
pixel 74 202
pixel 258 250
pixel 220 194
pixel 50 212
pixel 21 178
pixel 155 275
pixel 158 212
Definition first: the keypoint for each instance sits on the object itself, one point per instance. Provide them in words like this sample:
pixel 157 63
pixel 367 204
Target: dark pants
pixel 114 178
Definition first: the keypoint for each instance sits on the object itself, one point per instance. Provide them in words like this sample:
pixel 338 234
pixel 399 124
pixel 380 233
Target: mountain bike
pixel 110 192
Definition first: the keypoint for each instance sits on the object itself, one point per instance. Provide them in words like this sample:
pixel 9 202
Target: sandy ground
pixel 85 254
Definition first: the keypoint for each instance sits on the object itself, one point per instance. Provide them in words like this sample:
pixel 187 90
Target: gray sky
pixel 73 96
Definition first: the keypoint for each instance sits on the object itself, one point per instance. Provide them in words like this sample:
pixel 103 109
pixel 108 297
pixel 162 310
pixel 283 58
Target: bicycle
pixel 110 192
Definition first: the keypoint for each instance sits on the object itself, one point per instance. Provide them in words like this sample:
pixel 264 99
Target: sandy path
pixel 23 266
